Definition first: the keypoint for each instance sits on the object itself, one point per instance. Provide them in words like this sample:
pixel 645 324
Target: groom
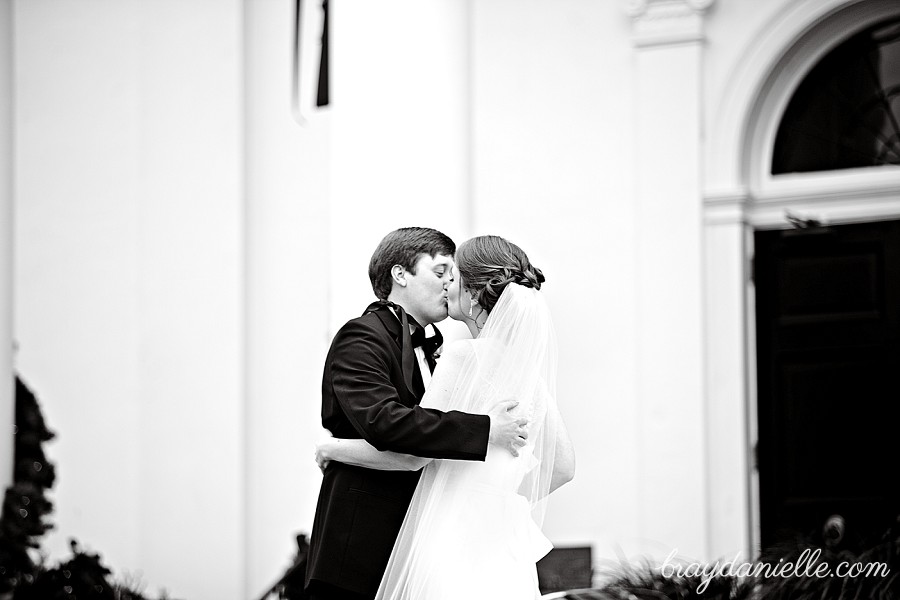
pixel 375 375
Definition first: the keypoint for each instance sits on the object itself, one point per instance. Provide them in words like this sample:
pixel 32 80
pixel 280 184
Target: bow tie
pixel 429 345
pixel 417 336
pixel 410 341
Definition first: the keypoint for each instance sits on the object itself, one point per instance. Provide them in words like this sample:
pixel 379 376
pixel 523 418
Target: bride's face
pixel 457 298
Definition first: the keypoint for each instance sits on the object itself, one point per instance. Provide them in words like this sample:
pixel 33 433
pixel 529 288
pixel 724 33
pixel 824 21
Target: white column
pixel 668 39
pixel 7 403
pixel 728 414
pixel 286 208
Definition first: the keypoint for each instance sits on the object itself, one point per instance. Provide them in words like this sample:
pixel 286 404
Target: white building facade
pixel 178 249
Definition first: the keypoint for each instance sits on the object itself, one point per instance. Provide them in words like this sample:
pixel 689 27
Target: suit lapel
pixel 392 325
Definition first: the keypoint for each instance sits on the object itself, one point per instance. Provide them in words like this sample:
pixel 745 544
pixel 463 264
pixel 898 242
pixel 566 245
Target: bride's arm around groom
pixel 361 453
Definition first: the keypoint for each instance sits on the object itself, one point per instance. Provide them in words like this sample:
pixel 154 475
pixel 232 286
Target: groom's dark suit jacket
pixel 360 510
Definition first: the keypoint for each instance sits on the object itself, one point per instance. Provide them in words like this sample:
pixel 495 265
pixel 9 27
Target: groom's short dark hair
pixel 403 247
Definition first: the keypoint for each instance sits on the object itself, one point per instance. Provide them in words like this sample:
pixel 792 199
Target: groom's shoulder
pixel 367 325
pixel 363 336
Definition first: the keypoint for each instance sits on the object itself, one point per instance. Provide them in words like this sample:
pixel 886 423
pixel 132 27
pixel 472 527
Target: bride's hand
pixel 322 457
pixel 323 453
pixel 507 431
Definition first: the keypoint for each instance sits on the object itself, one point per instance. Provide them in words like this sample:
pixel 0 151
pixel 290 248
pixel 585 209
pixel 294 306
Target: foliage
pixel 25 519
pixel 26 508
pixel 643 582
pixel 290 586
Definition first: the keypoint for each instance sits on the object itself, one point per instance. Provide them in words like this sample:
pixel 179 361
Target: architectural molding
pixel 666 22
pixel 860 206
pixel 725 206
pixel 738 152
pixel 739 196
pixel 660 9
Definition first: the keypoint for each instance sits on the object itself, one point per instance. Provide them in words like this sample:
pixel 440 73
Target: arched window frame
pixel 844 195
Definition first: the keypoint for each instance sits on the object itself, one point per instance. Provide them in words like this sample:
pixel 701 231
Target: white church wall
pixel 287 182
pixel 554 173
pixel 76 289
pixel 7 230
pixel 129 280
pixel 400 134
pixel 391 151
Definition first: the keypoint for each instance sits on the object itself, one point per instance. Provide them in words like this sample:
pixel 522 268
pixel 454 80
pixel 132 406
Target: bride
pixel 473 528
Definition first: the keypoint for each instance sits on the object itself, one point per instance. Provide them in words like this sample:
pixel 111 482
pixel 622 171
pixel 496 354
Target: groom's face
pixel 427 288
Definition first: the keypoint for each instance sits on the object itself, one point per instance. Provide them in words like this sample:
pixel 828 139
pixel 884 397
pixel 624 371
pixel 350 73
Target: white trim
pixel 852 208
pixel 754 532
pixel 725 207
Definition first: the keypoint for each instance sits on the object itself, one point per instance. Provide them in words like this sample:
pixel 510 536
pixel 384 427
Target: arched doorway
pixel 742 197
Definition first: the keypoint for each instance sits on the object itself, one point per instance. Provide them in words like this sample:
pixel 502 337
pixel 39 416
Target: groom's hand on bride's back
pixel 507 430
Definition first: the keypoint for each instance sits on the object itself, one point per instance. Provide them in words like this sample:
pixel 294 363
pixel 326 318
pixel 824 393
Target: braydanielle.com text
pixel 807 565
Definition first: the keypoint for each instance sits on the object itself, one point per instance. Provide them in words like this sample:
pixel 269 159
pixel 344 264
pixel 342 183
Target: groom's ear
pixel 398 274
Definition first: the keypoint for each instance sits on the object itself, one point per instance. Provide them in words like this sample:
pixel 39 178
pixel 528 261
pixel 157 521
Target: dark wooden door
pixel 828 364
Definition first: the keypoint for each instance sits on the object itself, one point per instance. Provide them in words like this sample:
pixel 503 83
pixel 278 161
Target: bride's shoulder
pixel 453 355
pixel 456 351
pixel 457 348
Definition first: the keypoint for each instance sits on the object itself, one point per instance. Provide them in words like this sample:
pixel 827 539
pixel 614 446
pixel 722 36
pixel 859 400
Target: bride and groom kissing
pixel 436 480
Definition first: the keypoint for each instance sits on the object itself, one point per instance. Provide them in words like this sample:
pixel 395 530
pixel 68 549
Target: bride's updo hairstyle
pixel 489 263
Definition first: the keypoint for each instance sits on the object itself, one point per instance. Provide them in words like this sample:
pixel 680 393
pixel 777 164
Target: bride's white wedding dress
pixel 473 528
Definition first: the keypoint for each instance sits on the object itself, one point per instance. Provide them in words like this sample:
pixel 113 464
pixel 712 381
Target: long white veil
pixel 513 357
